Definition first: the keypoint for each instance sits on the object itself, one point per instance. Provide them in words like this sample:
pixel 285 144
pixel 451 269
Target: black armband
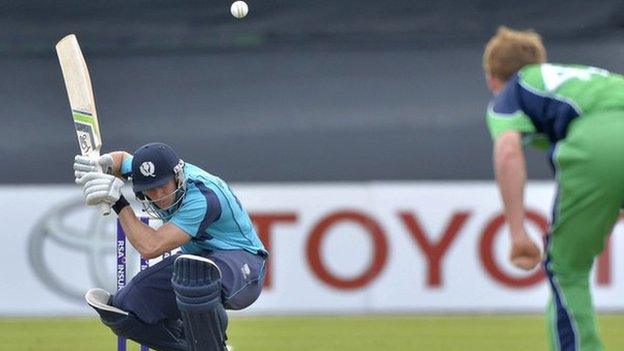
pixel 120 204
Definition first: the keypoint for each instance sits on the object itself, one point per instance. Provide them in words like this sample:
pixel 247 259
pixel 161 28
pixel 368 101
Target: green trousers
pixel 589 165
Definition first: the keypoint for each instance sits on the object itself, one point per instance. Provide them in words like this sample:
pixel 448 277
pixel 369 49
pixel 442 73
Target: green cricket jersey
pixel 542 99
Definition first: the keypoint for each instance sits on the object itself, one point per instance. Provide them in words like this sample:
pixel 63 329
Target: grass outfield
pixel 366 333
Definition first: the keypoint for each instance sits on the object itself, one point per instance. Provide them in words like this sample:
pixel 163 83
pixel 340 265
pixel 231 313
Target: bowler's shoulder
pixel 534 68
pixel 531 77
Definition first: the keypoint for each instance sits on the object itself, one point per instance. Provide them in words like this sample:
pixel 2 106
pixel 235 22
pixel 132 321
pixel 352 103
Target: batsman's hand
pixel 101 188
pixel 85 164
pixel 525 254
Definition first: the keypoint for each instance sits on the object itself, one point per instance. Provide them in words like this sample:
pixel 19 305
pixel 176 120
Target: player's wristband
pixel 120 204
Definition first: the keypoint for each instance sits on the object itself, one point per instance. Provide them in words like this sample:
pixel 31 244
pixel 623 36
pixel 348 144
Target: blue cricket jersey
pixel 211 214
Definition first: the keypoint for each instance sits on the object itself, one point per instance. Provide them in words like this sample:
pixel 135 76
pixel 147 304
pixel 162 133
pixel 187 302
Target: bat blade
pixel 81 100
pixel 80 93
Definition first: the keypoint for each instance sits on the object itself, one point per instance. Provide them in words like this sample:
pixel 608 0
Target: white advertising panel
pixel 378 247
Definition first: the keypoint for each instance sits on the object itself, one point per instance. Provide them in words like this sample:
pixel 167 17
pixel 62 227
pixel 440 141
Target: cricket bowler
pixel 576 113
pixel 180 302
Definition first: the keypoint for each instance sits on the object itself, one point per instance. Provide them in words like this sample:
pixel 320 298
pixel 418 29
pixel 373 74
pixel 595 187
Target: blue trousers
pixel 150 296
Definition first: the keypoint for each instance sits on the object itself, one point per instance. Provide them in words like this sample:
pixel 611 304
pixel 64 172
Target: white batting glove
pixel 100 187
pixel 85 164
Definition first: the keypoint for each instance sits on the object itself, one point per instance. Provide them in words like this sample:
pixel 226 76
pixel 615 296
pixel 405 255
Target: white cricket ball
pixel 239 9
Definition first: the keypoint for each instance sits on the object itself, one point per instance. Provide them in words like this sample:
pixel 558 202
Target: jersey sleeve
pixel 126 167
pixel 505 113
pixel 200 208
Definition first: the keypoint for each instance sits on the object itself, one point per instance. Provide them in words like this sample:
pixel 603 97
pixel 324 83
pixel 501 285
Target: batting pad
pixel 196 281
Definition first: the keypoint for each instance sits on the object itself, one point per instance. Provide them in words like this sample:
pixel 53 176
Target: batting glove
pixel 85 164
pixel 100 187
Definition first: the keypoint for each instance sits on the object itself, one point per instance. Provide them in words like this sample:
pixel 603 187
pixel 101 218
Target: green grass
pixel 365 333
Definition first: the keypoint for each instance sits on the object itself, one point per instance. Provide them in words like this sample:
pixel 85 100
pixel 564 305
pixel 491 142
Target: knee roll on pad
pixel 197 286
pixel 161 337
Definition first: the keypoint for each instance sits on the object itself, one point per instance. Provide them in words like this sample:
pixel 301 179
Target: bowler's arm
pixel 510 170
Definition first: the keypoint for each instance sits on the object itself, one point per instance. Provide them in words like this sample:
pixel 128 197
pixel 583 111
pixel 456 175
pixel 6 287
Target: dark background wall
pixel 297 91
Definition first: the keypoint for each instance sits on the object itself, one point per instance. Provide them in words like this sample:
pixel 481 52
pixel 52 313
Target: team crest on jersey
pixel 147 169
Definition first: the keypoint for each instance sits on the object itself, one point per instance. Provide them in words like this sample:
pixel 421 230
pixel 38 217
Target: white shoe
pixel 98 299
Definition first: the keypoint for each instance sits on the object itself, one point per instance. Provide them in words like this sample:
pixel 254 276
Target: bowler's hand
pixel 525 254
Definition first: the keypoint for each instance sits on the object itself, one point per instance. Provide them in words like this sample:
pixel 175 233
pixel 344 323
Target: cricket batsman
pixel 178 303
pixel 576 113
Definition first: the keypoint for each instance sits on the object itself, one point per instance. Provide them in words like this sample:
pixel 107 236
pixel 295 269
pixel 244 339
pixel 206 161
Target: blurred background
pixel 352 112
pixel 297 91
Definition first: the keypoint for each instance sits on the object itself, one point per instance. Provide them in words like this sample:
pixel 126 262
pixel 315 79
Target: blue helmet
pixel 154 165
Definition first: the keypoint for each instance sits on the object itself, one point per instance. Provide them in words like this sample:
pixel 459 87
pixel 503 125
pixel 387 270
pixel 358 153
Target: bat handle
pixel 105 209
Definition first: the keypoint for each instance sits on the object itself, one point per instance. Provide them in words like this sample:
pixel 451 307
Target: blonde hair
pixel 510 50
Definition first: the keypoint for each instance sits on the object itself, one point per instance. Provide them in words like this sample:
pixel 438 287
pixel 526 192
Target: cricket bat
pixel 81 101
